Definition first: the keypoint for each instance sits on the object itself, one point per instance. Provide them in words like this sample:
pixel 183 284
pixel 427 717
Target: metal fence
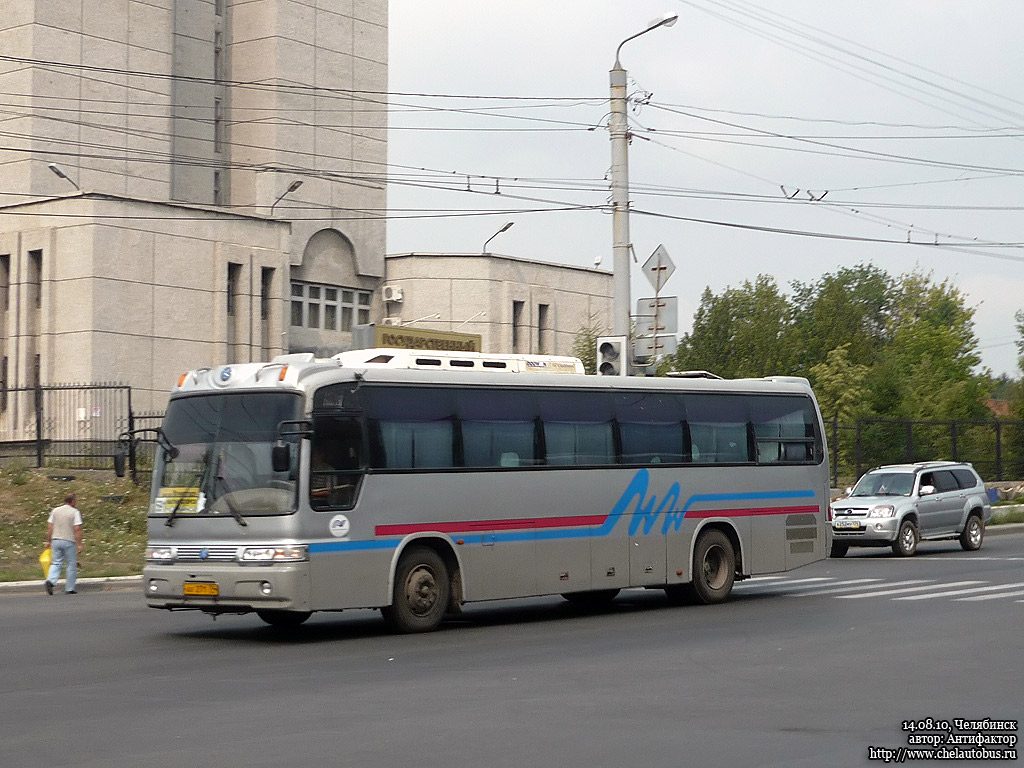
pixel 995 448
pixel 75 426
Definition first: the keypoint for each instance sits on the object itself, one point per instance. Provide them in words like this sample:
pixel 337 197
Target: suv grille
pixel 852 512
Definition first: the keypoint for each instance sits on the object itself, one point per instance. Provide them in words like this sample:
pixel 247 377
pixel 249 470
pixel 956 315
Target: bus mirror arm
pixel 127 440
pixel 281 454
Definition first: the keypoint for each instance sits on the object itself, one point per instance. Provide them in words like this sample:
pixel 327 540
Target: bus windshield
pixel 220 462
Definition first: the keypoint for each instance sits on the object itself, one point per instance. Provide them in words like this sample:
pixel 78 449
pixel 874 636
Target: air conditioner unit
pixel 392 293
pixel 391 321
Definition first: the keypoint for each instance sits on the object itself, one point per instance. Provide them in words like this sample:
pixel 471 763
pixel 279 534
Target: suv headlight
pixel 160 554
pixel 882 510
pixel 289 554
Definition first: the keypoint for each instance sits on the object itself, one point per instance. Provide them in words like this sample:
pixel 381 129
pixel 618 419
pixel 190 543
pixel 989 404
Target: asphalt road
pixel 793 671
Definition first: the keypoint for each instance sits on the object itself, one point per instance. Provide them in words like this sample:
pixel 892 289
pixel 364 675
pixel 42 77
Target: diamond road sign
pixel 659 268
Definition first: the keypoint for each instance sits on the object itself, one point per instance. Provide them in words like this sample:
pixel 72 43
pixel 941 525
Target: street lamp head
pixel 507 227
pixel 665 20
pixel 59 173
pixel 294 185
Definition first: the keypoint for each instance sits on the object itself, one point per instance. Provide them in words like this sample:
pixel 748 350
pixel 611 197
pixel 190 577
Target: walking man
pixel 64 538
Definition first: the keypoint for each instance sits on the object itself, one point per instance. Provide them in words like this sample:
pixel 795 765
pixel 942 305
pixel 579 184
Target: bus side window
pixel 335 463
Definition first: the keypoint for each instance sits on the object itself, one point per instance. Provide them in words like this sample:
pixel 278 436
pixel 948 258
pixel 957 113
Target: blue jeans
pixel 64 551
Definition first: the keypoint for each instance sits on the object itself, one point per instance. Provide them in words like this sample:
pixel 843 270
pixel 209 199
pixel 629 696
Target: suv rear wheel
pixel 973 533
pixel 906 540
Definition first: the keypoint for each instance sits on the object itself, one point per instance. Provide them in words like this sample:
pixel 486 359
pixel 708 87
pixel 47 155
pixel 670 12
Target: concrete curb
pixel 129 583
pixel 104 584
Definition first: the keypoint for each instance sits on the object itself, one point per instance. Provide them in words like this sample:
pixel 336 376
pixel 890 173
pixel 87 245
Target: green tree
pixel 847 308
pixel 742 332
pixel 584 343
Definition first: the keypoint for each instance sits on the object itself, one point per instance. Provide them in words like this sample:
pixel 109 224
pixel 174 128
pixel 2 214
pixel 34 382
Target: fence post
pixel 910 442
pixel 953 438
pixel 835 451
pixel 999 450
pixel 131 440
pixel 858 450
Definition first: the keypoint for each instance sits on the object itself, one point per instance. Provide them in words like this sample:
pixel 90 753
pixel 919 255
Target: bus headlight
pixel 160 554
pixel 289 554
pixel 882 510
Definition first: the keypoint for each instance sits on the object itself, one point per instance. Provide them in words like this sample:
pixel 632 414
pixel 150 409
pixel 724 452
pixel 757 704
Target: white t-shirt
pixel 64 519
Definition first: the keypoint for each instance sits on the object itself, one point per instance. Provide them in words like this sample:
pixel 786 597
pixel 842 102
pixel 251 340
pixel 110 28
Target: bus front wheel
pixel 421 592
pixel 714 567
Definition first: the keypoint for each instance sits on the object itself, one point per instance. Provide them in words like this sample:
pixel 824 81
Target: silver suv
pixel 900 504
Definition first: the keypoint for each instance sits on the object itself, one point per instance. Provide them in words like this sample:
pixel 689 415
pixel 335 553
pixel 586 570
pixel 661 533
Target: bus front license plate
pixel 849 525
pixel 201 589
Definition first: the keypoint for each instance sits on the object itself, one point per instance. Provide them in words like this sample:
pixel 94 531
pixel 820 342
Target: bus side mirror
pixel 281 457
pixel 120 458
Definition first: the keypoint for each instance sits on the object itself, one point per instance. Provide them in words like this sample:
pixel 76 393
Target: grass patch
pixel 114 534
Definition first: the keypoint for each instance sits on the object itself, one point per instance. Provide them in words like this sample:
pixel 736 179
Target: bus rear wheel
pixel 714 567
pixel 421 592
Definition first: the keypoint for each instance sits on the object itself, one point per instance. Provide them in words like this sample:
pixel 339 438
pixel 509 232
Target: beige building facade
pixel 189 182
pixel 266 115
pixel 515 304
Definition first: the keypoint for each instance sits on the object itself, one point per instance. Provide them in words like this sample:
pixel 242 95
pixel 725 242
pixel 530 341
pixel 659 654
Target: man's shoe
pixel 49 588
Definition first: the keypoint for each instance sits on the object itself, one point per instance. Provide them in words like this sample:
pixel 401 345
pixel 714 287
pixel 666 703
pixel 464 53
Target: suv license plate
pixel 849 525
pixel 201 589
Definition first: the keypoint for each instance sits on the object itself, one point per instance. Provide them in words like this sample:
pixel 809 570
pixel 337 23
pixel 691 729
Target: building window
pixel 329 307
pixel 218 7
pixel 218 125
pixel 234 279
pixel 543 329
pixel 218 196
pixel 218 56
pixel 517 325
pixel 35 278
pixel 3 385
pixel 5 282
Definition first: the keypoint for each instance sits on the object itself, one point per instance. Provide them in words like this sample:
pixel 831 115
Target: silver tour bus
pixel 415 482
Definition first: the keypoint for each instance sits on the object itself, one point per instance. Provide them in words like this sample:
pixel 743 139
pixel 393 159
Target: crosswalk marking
pixel 990 588
pixel 886 592
pixel 862 588
pixel 995 596
pixel 754 582
pixel 830 591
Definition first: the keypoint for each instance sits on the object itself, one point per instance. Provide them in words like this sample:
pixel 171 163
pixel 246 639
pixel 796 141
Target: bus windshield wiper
pixel 215 477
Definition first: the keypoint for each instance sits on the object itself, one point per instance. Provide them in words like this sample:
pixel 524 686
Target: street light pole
pixel 487 242
pixel 618 128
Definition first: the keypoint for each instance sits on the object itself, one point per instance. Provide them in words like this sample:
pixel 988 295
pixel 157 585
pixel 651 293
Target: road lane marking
pixel 830 591
pixel 961 591
pixel 886 592
pixel 781 583
pixel 993 597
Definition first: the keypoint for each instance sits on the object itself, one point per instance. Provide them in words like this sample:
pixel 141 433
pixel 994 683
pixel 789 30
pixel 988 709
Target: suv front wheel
pixel 906 540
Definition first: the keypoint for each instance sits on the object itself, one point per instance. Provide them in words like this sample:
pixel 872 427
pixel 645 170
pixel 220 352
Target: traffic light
pixel 611 356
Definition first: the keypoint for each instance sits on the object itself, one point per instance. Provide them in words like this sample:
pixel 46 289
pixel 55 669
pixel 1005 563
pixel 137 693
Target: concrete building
pixel 515 304
pixel 211 161
pixel 189 182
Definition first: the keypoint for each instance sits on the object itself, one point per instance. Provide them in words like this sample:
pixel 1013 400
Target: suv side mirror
pixel 281 457
pixel 926 490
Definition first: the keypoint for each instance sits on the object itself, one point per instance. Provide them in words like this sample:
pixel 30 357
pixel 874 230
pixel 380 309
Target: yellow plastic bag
pixel 44 560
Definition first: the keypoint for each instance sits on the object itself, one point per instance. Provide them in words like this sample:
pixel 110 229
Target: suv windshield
pixel 223 459
pixel 885 484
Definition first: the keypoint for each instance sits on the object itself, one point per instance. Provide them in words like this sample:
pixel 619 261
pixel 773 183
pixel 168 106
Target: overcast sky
pixel 854 126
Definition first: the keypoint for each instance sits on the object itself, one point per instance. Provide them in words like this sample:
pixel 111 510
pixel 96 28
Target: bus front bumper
pixel 227 588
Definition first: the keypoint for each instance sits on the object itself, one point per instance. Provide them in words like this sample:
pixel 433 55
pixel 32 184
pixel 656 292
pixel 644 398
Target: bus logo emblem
pixel 204 553
pixel 225 374
pixel 339 526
